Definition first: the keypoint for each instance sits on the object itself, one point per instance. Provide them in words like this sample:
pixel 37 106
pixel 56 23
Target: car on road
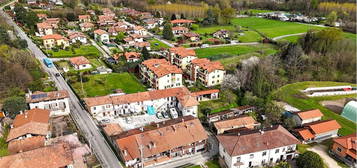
pixel 159 115
pixel 204 46
pixel 104 121
pixel 57 74
pixel 173 113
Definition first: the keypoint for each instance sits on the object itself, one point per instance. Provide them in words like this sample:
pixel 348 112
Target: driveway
pixel 322 151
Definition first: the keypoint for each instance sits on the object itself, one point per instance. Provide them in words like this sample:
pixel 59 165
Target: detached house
pixel 344 148
pixel 158 101
pixel 104 20
pixel 56 101
pixel 53 40
pixel 132 56
pixel 192 36
pixel 182 22
pixel 30 126
pixel 221 34
pixel 305 117
pixel 206 72
pixel 318 131
pixel 84 18
pixel 181 56
pixel 161 142
pixel 43 29
pixel 86 26
pixel 53 22
pixel 256 148
pixel 77 37
pixel 140 30
pixel 247 122
pixel 101 35
pixel 80 63
pixel 178 30
pixel 160 74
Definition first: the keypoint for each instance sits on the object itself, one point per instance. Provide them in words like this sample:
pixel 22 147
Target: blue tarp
pixel 151 110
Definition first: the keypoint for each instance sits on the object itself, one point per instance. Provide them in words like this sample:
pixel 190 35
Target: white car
pixel 173 113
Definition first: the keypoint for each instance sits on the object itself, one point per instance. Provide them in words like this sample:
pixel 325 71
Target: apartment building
pixel 111 106
pixel 209 73
pixel 160 74
pixel 56 101
pixel 256 148
pixel 181 57
pixel 161 142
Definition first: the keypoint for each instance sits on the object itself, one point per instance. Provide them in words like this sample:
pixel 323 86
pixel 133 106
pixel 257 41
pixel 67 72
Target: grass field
pixel 292 39
pixel 157 45
pixel 82 51
pixel 100 85
pixel 256 11
pixel 291 94
pixel 3 143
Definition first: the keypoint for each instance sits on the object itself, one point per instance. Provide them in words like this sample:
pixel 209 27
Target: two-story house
pixel 86 26
pixel 179 31
pixel 44 28
pixel 84 18
pixel 160 74
pixel 256 148
pixel 209 73
pixel 56 101
pixel 75 37
pixel 53 40
pixel 344 148
pixel 101 36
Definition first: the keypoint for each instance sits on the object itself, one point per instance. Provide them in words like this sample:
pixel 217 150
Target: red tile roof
pixel 161 137
pixel 182 52
pixel 46 96
pixel 181 21
pixel 35 128
pixel 205 92
pixel 237 122
pixel 81 60
pixel 86 25
pixel 142 44
pixel 254 141
pixel 179 28
pixel 208 65
pixel 305 115
pixel 132 55
pixel 54 36
pixel 349 143
pixel 33 115
pixel 27 144
pixel 53 156
pixel 100 32
pixel 73 35
pixel 190 34
pixel 324 126
pixel 181 93
pixel 83 16
pixel 112 129
pixel 305 133
pixel 161 67
pixel 44 25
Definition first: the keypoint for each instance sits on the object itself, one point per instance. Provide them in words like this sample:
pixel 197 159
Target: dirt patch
pixel 334 105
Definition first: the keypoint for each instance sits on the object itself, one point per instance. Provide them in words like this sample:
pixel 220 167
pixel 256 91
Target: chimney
pixel 141 129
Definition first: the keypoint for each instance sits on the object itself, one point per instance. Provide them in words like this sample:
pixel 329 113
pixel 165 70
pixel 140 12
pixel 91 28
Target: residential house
pixel 140 30
pixel 209 73
pixel 206 95
pixel 101 35
pixel 141 45
pixel 54 156
pixel 221 34
pixel 244 121
pixel 182 22
pixel 318 131
pixel 192 36
pixel 181 57
pixel 75 37
pixel 26 127
pixel 151 23
pixel 179 31
pixel 115 30
pixel 104 20
pixel 160 74
pixel 130 104
pixel 80 63
pixel 161 142
pixel 53 40
pixel 42 16
pixel 256 148
pixel 108 12
pixel 56 101
pixel 137 37
pixel 309 116
pixel 84 18
pixel 344 148
pixel 53 22
pixel 43 29
pixel 233 112
pixel 132 56
pixel 86 26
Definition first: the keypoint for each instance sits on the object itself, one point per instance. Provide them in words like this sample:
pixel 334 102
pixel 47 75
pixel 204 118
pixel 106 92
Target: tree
pixel 309 159
pixel 71 16
pixel 13 105
pixel 227 15
pixel 173 17
pixel 194 26
pixel 283 165
pixel 167 32
pixel 273 113
pixel 145 53
pixel 289 123
pixel 120 37
pixel 331 18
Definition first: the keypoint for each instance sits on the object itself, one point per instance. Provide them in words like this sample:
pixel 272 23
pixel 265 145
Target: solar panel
pixel 38 96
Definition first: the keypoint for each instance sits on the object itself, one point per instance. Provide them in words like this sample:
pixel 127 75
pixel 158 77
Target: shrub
pixel 309 159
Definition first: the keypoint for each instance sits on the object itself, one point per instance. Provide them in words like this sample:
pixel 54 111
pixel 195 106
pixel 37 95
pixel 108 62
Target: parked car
pixel 165 115
pixel 159 115
pixel 173 113
pixel 104 121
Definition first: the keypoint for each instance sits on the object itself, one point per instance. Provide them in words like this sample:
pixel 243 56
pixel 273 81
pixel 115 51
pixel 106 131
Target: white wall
pixel 53 106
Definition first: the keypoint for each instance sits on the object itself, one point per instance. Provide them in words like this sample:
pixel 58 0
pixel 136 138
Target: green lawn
pixel 100 85
pixel 82 51
pixel 3 143
pixel 209 164
pixel 292 39
pixel 157 45
pixel 291 94
pixel 256 11
pixel 250 36
pixel 212 29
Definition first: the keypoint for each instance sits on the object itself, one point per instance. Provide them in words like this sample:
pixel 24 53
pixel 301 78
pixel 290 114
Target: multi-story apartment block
pixel 160 74
pixel 161 142
pixel 257 148
pixel 209 73
pixel 128 104
pixel 56 101
pixel 181 57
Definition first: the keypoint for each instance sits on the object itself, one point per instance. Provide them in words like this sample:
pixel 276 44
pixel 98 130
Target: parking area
pixel 127 123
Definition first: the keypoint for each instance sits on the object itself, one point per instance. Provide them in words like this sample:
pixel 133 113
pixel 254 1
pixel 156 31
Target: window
pixel 251 156
pixel 264 153
pixel 339 149
pixel 277 151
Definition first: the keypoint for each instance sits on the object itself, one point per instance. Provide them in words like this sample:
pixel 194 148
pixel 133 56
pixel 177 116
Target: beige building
pixel 53 40
pixel 209 73
pixel 181 56
pixel 160 74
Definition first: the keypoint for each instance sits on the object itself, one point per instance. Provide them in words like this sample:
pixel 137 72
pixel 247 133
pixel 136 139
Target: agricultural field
pixel 82 51
pixel 291 94
pixel 100 85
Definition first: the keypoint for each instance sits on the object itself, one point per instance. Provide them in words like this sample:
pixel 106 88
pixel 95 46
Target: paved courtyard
pixel 127 123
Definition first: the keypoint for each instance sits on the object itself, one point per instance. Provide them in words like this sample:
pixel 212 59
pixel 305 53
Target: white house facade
pixel 56 101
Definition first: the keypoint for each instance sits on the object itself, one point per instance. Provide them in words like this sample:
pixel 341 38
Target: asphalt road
pixel 82 118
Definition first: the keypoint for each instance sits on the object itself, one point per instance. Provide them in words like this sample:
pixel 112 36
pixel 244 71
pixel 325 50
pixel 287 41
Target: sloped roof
pixel 181 21
pixel 54 36
pixel 161 67
pixel 255 141
pixel 46 96
pixel 349 143
pixel 81 60
pixel 208 65
pixel 305 115
pixel 33 115
pixel 242 121
pixel 324 126
pixel 305 133
pixel 27 144
pixel 182 52
pixel 35 128
pixel 100 32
